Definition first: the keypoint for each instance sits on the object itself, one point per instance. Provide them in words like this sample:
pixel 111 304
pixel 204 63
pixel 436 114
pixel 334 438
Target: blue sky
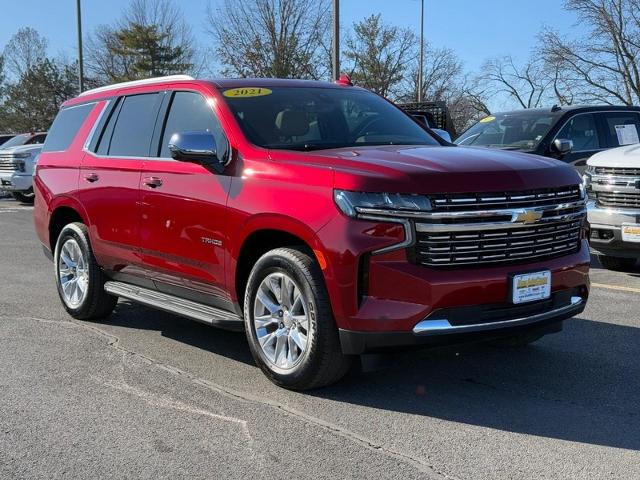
pixel 475 29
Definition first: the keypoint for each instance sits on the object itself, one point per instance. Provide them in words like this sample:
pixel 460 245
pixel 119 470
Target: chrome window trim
pixel 92 132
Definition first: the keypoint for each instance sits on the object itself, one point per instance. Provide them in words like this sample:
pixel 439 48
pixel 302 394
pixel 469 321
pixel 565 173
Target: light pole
pixel 335 57
pixel 421 66
pixel 80 59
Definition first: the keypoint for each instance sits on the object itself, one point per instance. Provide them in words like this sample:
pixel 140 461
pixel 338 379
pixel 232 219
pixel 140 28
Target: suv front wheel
pixel 290 327
pixel 79 279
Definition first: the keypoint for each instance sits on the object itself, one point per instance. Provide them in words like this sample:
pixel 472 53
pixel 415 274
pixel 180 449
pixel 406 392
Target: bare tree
pixel 379 55
pixel 528 85
pixel 604 64
pixel 24 50
pixel 442 75
pixel 108 60
pixel 271 38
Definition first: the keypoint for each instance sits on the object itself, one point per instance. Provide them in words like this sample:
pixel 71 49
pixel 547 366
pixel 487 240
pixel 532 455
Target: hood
pixel 425 169
pixel 623 157
pixel 21 149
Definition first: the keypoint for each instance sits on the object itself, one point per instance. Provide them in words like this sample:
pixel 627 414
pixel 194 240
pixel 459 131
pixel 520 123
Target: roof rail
pixel 135 83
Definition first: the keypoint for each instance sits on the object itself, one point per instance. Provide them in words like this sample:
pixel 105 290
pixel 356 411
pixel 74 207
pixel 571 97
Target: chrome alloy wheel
pixel 73 273
pixel 281 321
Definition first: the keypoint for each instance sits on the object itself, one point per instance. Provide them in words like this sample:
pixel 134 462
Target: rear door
pixel 582 130
pixel 109 186
pixel 182 227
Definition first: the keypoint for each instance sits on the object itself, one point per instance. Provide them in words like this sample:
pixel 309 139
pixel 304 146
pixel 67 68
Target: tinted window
pixel 623 128
pixel 134 126
pixel 320 118
pixel 190 111
pixel 37 139
pixel 65 126
pixel 581 130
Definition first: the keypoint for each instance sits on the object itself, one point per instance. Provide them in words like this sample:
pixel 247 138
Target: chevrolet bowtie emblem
pixel 527 216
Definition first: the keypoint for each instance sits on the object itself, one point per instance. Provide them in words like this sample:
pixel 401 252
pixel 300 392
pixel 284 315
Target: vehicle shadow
pixel 581 385
pixel 232 345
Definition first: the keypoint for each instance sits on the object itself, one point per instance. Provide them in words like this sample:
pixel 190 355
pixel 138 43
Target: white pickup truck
pixel 612 180
pixel 17 161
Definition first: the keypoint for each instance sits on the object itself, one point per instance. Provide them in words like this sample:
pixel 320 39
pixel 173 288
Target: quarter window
pixel 65 127
pixel 190 111
pixel 582 131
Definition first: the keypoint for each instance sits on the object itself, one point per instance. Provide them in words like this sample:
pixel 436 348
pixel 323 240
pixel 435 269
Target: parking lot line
pixel 615 287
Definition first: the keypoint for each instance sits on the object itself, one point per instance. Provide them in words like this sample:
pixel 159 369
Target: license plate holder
pixel 530 287
pixel 631 232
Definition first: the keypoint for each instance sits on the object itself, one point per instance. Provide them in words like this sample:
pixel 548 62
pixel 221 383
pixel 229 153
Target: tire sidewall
pixel 266 266
pixel 77 233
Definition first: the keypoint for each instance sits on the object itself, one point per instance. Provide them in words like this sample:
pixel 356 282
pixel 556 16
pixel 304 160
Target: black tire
pixel 25 197
pixel 515 341
pixel 617 263
pixel 323 362
pixel 96 304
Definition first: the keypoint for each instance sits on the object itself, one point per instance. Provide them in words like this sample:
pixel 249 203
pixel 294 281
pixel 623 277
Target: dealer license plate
pixel 630 232
pixel 529 287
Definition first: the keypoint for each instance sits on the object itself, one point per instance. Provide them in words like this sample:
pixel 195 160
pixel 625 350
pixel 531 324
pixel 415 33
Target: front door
pixel 182 227
pixel 582 130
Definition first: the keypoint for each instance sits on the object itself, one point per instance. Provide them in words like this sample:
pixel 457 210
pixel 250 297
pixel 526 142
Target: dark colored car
pixel 319 218
pixel 570 134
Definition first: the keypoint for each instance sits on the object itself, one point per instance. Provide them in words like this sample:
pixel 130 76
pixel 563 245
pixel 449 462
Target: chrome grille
pixel 9 164
pixel 521 199
pixel 473 247
pixel 634 172
pixel 618 199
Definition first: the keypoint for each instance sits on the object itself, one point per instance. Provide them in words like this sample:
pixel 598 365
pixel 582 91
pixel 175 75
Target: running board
pixel 172 304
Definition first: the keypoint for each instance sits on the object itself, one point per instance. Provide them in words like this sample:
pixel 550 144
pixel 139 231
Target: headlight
pixel 354 204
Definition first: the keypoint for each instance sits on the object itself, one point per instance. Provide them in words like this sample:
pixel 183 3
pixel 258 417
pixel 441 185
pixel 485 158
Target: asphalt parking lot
pixel 150 395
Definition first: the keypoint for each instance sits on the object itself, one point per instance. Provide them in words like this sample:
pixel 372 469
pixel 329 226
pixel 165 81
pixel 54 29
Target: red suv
pixel 318 217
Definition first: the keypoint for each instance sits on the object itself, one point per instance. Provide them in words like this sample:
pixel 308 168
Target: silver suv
pixel 18 157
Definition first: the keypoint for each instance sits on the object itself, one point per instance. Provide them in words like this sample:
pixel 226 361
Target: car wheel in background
pixel 79 279
pixel 289 323
pixel 25 197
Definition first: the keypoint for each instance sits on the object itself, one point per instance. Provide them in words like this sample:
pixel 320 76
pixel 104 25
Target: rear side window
pixel 64 128
pixel 133 128
pixel 623 128
pixel 190 111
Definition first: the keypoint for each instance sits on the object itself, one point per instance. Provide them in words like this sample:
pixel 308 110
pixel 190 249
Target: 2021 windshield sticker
pixel 247 92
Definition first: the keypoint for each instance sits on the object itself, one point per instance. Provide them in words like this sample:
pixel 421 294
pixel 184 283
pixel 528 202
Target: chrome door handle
pixel 152 182
pixel 92 177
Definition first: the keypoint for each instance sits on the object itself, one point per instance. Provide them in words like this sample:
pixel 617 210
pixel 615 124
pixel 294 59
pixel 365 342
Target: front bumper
pixel 444 327
pixel 15 181
pixel 606 230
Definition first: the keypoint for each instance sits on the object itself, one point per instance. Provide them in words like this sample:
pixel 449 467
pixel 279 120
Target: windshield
pixel 292 118
pixel 24 139
pixel 517 131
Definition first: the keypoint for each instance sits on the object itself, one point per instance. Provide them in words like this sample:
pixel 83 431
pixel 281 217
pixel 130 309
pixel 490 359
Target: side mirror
pixel 442 134
pixel 562 146
pixel 197 146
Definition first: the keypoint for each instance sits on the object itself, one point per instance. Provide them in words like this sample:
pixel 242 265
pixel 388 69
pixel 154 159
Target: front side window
pixel 302 118
pixel 190 111
pixel 18 140
pixel 133 127
pixel 582 131
pixel 65 127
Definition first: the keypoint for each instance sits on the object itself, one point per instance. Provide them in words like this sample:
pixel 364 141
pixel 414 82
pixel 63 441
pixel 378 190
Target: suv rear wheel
pixel 290 327
pixel 617 263
pixel 79 279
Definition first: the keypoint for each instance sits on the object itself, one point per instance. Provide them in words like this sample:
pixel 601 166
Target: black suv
pixel 571 134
